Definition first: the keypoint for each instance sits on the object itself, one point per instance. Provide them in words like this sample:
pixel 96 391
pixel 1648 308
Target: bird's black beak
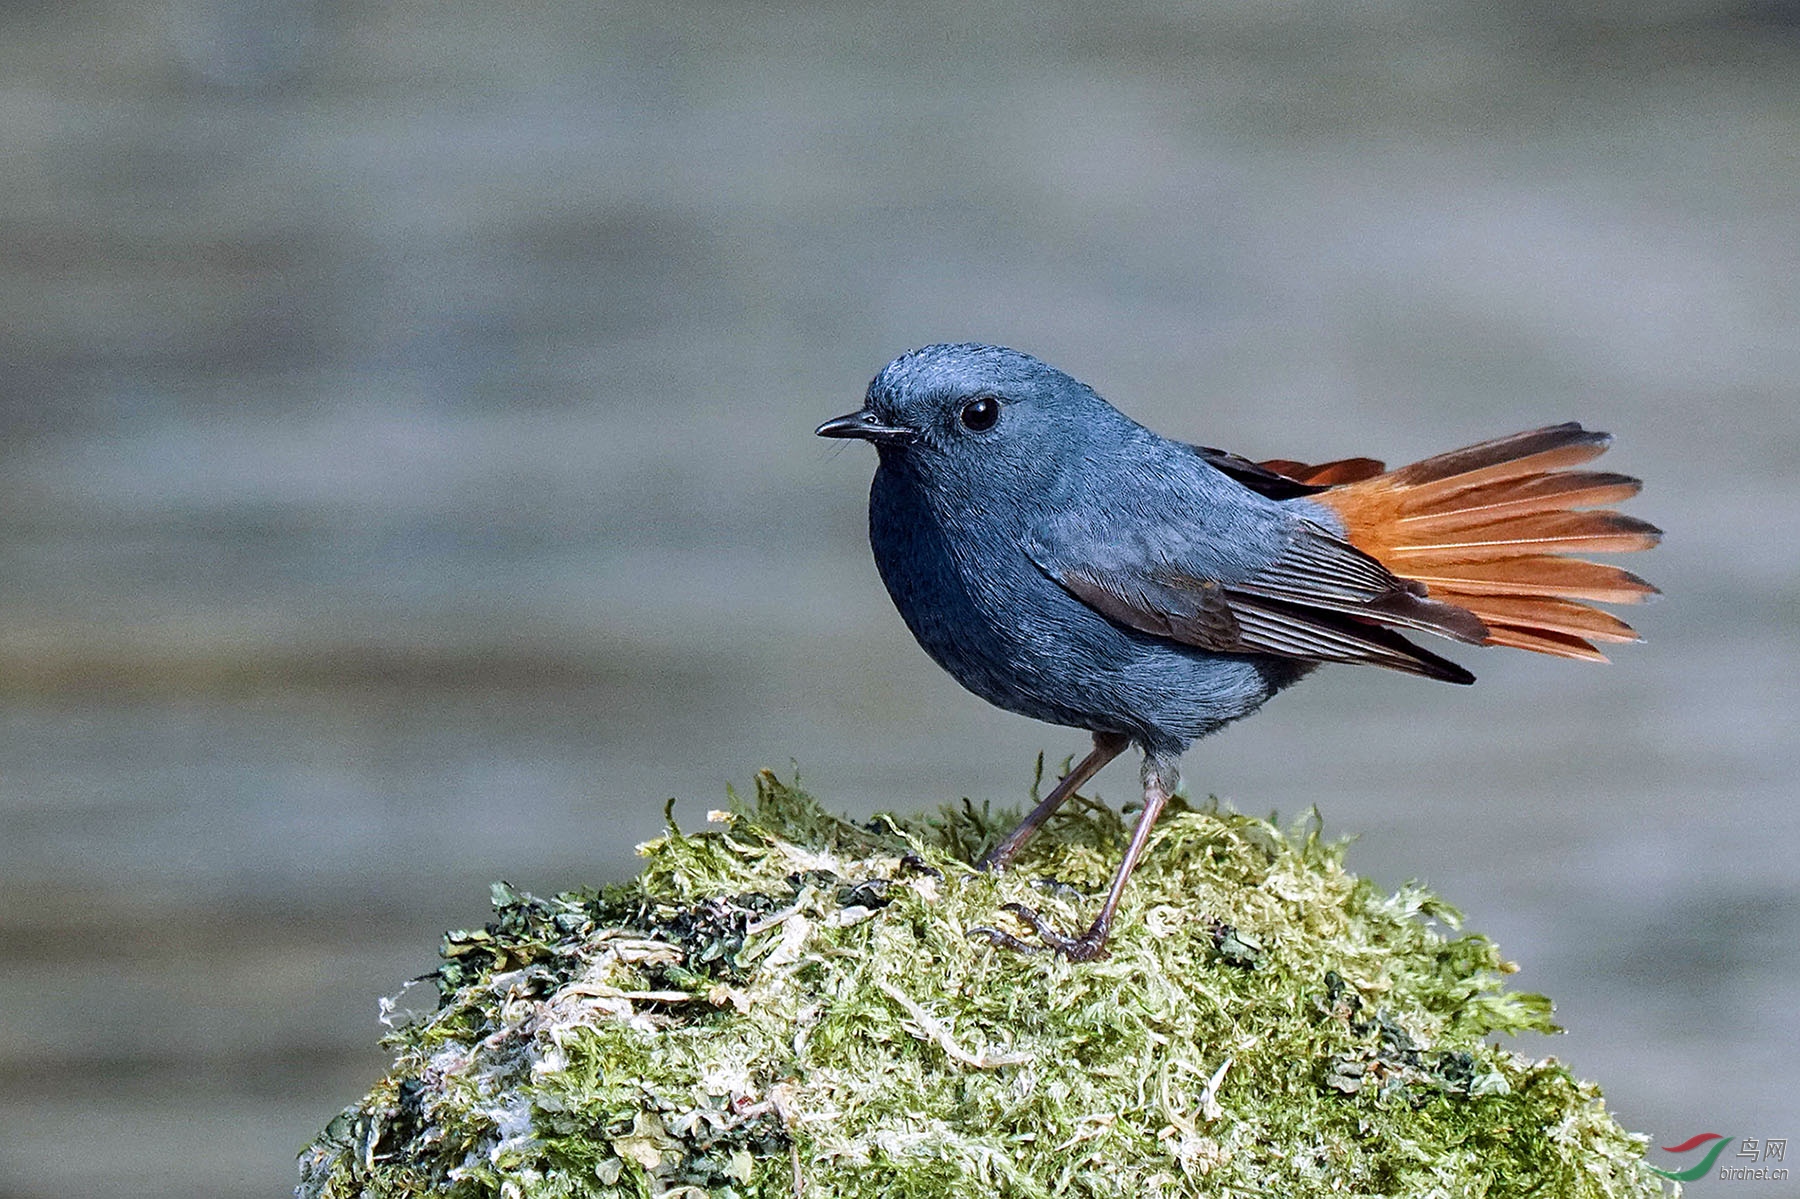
pixel 864 424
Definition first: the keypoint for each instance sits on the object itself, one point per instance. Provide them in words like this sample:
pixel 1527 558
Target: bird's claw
pixel 1005 940
pixel 1085 948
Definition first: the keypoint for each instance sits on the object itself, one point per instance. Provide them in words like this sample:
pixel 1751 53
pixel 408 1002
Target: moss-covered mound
pixel 792 1005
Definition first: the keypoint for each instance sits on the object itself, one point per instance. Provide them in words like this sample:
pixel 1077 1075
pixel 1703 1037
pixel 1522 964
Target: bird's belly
pixel 1011 635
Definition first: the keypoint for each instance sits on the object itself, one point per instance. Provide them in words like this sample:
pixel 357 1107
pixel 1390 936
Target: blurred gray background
pixel 407 481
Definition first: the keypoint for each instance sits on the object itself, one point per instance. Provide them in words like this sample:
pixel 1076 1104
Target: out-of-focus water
pixel 406 480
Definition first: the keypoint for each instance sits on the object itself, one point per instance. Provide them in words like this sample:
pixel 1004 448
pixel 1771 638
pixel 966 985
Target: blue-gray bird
pixel 1064 562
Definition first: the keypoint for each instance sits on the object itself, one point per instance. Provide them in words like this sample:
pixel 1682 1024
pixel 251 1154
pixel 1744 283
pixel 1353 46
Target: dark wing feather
pixel 1265 478
pixel 1321 570
pixel 1284 478
pixel 1321 599
pixel 1330 637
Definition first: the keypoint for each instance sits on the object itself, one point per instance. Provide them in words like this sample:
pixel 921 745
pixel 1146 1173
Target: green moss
pixel 791 1004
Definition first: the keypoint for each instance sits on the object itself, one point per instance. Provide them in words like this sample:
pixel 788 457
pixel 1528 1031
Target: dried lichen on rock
pixel 790 1004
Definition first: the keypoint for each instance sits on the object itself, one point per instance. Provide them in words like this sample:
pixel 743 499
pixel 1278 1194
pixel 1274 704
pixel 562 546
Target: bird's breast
pixel 953 570
pixel 982 609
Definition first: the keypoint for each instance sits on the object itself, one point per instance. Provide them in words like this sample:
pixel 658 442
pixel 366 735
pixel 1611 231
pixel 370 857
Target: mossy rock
pixel 789 1004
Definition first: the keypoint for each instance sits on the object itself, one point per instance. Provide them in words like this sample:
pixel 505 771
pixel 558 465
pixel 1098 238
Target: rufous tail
pixel 1489 528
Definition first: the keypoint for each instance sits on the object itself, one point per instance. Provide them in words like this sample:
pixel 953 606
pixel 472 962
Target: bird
pixel 1064 562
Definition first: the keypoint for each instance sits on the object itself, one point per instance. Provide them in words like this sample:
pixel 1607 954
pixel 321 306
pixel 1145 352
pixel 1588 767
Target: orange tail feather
pixel 1486 528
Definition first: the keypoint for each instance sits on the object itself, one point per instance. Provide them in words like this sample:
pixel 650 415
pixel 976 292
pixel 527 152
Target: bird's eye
pixel 980 413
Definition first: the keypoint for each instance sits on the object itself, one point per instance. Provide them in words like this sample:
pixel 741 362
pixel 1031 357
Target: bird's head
pixel 965 412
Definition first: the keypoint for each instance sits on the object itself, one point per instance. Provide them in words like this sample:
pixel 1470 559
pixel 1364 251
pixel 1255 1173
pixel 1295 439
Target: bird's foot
pixel 1085 948
pixel 1000 939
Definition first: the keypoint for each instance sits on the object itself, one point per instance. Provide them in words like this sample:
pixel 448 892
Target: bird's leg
pixel 1160 781
pixel 1107 746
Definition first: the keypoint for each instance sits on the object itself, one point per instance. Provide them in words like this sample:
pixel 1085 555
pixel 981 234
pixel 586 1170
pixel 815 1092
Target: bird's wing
pixel 1284 478
pixel 1314 596
pixel 1264 478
